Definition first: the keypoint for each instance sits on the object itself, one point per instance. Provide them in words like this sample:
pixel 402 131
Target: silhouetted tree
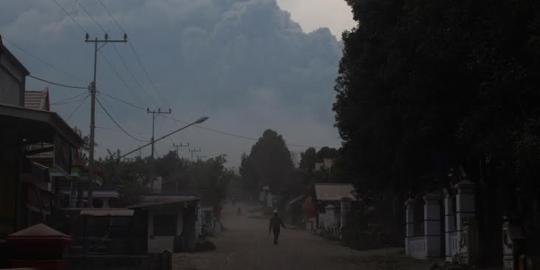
pixel 269 163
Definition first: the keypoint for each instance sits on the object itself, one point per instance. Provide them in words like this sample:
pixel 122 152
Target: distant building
pixel 326 164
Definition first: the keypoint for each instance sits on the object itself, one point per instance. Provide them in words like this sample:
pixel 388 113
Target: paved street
pixel 246 245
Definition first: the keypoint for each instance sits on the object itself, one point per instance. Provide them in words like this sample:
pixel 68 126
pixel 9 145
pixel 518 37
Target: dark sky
pixel 243 63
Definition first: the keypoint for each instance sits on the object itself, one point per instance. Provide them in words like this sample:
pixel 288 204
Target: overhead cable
pixel 117 123
pixel 57 83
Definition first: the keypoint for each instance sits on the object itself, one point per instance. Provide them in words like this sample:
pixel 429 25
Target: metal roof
pixel 102 212
pixel 334 192
pixel 37 100
pixel 152 201
pixel 102 194
pixel 37 231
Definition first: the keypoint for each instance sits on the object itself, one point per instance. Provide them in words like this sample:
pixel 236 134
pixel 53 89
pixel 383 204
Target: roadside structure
pixel 172 222
pixel 25 185
pixel 333 205
pixel 446 225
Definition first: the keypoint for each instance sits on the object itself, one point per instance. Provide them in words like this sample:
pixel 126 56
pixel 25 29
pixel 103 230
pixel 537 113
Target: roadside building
pixel 107 231
pixel 25 185
pixel 333 205
pixel 171 221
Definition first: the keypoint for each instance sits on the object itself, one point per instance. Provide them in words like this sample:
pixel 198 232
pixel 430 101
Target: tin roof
pixel 334 192
pixel 102 212
pixel 151 201
pixel 39 230
pixel 37 100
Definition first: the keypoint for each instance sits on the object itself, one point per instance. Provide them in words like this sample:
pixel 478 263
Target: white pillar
pixel 432 225
pixel 331 215
pixel 269 200
pixel 508 251
pixel 409 223
pixel 106 203
pixel 345 210
pixel 449 223
pixel 465 211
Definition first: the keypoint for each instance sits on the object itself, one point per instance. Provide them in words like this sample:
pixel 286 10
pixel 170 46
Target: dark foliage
pixel 425 86
pixel 429 86
pixel 269 163
pixel 209 178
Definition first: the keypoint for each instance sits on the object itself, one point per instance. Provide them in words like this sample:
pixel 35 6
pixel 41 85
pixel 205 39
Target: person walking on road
pixel 275 226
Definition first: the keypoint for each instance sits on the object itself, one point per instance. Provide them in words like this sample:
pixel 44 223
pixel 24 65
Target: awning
pixel 103 212
pixel 334 192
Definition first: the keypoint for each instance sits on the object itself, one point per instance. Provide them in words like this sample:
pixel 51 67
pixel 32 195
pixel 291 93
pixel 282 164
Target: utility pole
pixel 192 151
pixel 154 112
pixel 177 147
pixel 93 90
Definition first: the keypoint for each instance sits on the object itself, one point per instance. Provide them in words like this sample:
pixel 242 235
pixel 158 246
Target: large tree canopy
pixel 269 163
pixel 428 86
pixel 425 86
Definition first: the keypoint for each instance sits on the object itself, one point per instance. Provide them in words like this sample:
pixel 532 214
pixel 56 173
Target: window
pixel 164 225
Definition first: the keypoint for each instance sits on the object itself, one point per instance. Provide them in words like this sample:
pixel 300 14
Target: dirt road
pixel 246 245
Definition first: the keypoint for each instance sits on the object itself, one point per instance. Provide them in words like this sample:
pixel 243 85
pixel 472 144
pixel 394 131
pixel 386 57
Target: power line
pixel 111 15
pixel 70 99
pixel 91 17
pixel 70 16
pixel 132 47
pixel 123 101
pixel 116 73
pixel 57 83
pixel 233 134
pixel 77 108
pixel 203 127
pixel 126 66
pixel 116 122
pixel 146 73
pixel 122 60
pixel 227 133
pixel 21 49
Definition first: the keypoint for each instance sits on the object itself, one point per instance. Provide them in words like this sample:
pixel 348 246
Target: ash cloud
pixel 244 63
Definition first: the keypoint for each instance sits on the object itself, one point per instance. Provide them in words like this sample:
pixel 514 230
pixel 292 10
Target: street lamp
pixel 196 122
